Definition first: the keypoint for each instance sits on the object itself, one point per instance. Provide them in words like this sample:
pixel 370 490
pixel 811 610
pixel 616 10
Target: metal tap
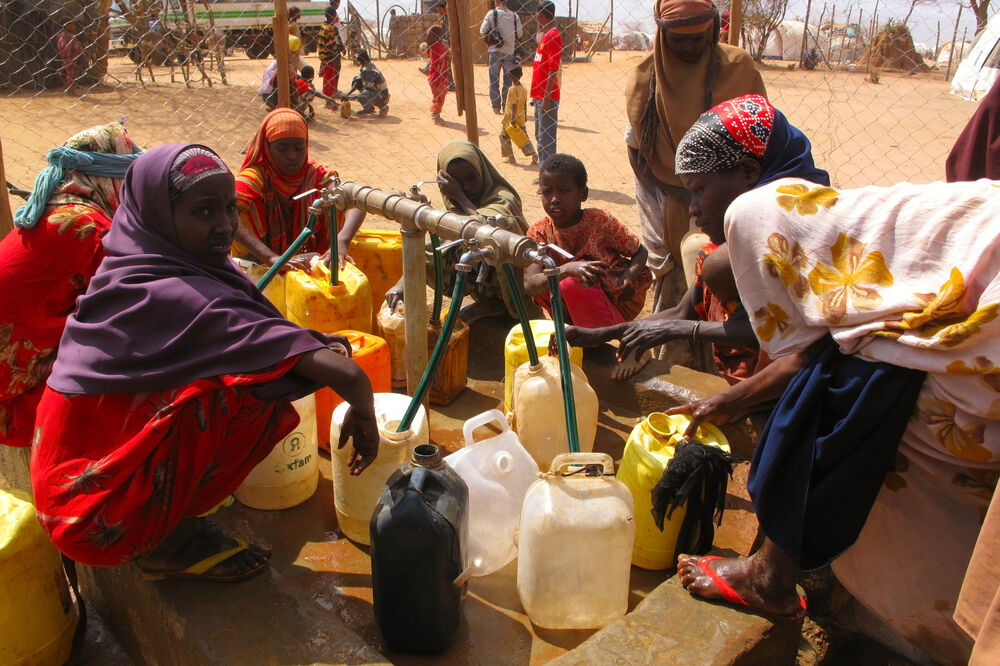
pixel 415 193
pixel 540 256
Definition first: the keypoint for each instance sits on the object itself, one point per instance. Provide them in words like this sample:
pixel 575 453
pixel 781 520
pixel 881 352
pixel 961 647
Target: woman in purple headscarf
pixel 173 381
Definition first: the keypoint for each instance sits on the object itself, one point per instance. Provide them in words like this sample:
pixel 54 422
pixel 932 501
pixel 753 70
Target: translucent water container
pixel 575 549
pixel 379 255
pixel 312 302
pixel 515 352
pixel 275 289
pixel 453 372
pixel 372 354
pixel 37 614
pixel 392 328
pixel 288 476
pixel 354 497
pixel 498 472
pixel 537 411
pixel 648 450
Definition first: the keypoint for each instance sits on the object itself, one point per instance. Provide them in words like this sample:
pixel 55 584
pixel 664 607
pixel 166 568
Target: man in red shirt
pixel 544 82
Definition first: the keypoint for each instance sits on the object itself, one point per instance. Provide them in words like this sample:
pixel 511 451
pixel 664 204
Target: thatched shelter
pixel 893 48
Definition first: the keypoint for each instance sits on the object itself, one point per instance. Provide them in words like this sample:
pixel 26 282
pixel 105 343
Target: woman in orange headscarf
pixel 276 169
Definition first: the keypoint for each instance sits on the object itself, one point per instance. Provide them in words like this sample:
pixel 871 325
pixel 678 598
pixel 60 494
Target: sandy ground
pixel 900 129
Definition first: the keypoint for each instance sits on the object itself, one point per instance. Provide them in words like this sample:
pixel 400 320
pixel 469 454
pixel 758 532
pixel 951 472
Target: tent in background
pixel 981 67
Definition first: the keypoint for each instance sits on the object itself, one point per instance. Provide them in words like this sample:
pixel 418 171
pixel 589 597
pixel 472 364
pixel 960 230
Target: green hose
pixel 439 349
pixel 292 249
pixel 438 279
pixel 566 378
pixel 522 314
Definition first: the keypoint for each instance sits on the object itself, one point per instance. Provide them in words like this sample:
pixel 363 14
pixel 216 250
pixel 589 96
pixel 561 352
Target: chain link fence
pixel 866 82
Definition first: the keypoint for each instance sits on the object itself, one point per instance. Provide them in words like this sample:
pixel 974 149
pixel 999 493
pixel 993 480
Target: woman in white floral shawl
pixel 904 277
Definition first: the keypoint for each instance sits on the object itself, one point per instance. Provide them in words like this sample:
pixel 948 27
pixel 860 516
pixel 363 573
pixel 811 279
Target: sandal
pixel 733 597
pixel 198 570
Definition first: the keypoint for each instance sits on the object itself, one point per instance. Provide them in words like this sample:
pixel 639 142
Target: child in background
pixel 371 87
pixel 605 282
pixel 70 50
pixel 514 114
pixel 437 71
pixel 331 49
pixel 306 93
pixel 268 90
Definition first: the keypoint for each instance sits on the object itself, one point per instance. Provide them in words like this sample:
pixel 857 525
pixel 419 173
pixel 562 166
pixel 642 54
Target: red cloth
pixel 331 77
pixel 976 153
pixel 301 85
pixel 70 50
pixel 42 272
pixel 114 474
pixel 588 307
pixel 598 236
pixel 547 58
pixel 437 75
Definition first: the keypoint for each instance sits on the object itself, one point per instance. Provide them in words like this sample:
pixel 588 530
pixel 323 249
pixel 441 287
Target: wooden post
pixel 415 294
pixel 829 50
pixel 937 40
pixel 99 54
pixel 805 33
pixel 577 28
pixel 6 217
pixel 735 22
pixel 279 33
pixel 456 56
pixel 954 36
pixel 378 26
pixel 843 36
pixel 611 31
pixel 468 78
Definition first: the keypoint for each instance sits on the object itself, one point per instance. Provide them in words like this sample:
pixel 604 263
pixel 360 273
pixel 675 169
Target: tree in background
pixel 980 8
pixel 760 19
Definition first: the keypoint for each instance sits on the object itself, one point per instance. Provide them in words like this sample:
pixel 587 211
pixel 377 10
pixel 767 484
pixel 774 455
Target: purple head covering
pixel 155 318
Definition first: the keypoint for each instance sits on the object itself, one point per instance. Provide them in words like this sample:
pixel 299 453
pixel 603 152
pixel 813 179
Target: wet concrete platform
pixel 313 605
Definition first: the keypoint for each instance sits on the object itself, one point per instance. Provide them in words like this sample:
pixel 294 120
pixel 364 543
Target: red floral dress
pixel 113 475
pixel 599 236
pixel 42 272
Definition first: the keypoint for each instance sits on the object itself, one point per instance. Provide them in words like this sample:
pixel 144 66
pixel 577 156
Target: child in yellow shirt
pixel 514 114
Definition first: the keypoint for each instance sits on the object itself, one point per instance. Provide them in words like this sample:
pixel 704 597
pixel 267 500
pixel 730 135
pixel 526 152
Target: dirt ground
pixel 900 129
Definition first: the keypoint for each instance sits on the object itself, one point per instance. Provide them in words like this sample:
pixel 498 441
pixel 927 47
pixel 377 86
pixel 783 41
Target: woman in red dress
pixel 47 261
pixel 173 380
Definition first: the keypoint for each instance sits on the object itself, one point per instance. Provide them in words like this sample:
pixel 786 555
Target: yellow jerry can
pixel 648 450
pixel 516 135
pixel 311 302
pixel 379 255
pixel 37 614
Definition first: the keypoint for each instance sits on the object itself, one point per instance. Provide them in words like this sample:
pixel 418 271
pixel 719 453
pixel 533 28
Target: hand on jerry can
pixel 364 430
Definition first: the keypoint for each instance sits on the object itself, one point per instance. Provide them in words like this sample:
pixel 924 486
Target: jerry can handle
pixel 565 460
pixel 490 416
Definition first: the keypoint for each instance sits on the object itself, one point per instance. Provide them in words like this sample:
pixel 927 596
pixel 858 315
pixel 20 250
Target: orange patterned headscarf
pixel 265 195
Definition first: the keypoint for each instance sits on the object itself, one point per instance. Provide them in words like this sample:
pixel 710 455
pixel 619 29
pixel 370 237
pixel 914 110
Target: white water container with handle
pixel 355 497
pixel 288 476
pixel 498 471
pixel 575 544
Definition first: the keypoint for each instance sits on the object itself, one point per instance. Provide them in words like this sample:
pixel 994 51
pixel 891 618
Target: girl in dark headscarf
pixel 732 148
pixel 176 381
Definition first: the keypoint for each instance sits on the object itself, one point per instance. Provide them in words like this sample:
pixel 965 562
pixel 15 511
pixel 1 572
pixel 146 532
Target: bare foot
pixel 631 366
pixel 753 580
pixel 590 337
pixel 196 539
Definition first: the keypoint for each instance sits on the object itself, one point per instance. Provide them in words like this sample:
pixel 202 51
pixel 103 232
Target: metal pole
pixel 805 34
pixel 415 294
pixel 735 22
pixel 954 36
pixel 279 32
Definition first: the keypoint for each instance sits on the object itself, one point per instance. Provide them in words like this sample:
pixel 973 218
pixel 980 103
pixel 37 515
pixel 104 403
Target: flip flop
pixel 733 597
pixel 197 571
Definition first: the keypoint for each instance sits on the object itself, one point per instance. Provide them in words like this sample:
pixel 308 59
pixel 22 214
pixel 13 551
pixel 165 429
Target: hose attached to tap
pixel 522 313
pixel 292 249
pixel 565 371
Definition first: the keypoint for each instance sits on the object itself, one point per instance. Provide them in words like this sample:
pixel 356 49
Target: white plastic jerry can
pixel 355 497
pixel 498 472
pixel 575 549
pixel 538 416
pixel 288 476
